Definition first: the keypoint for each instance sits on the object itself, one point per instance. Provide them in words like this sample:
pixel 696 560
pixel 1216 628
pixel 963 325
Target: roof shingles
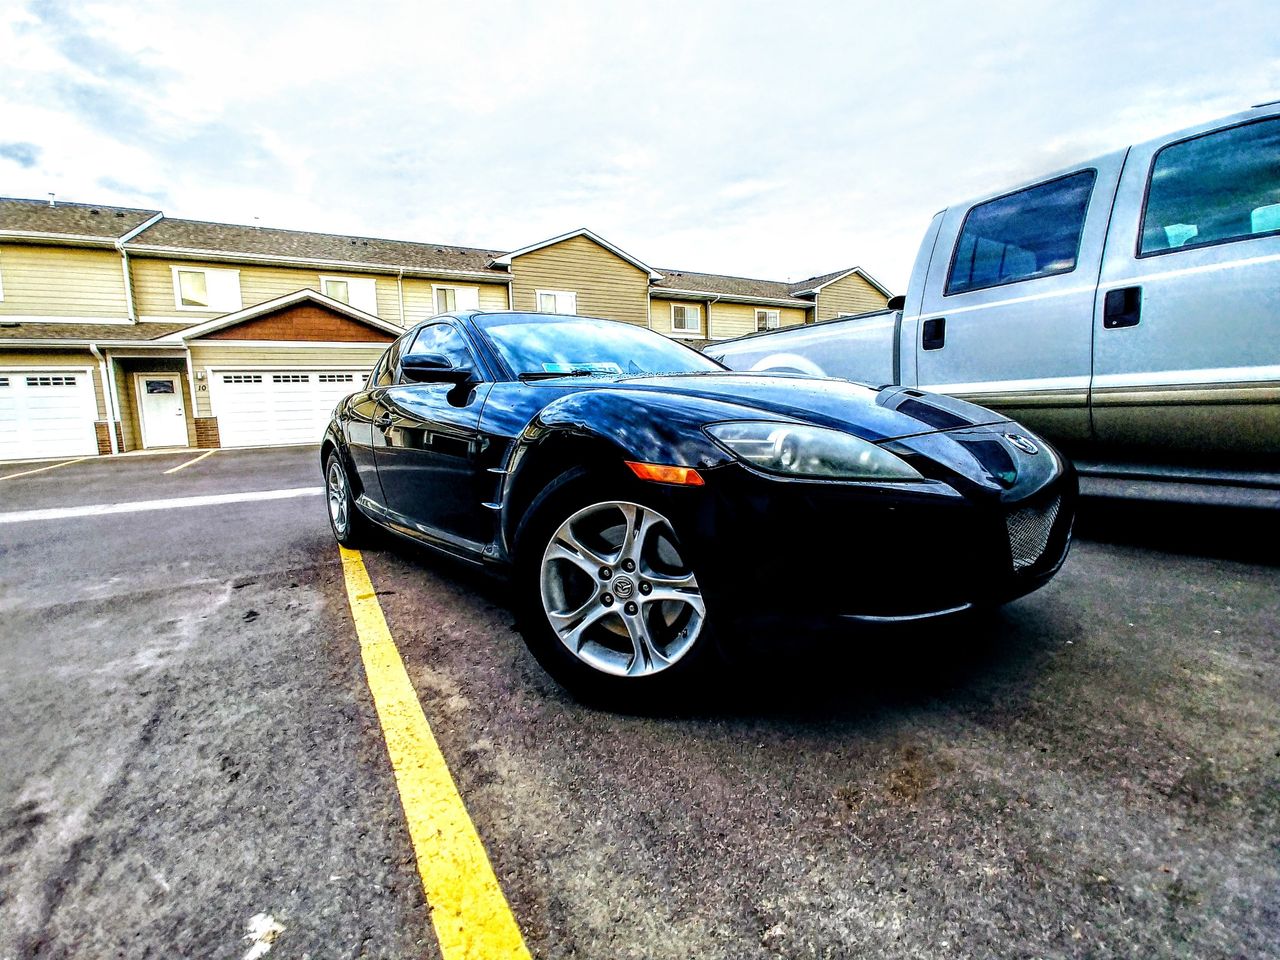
pixel 70 219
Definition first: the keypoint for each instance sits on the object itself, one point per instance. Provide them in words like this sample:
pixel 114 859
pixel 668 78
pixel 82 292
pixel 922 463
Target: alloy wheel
pixel 338 499
pixel 617 591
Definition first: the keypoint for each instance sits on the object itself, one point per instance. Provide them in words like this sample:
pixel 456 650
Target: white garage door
pixel 264 407
pixel 46 413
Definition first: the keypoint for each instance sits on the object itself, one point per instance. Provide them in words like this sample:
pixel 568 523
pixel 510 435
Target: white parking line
pixel 188 463
pixel 52 466
pixel 139 506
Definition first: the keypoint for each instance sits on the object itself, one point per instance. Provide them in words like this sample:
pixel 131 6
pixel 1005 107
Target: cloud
pixel 24 155
pixel 739 137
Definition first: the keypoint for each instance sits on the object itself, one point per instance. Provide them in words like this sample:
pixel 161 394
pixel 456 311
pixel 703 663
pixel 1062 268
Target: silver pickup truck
pixel 1127 307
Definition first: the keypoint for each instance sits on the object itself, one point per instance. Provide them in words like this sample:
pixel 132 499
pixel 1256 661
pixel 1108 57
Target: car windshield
pixel 537 345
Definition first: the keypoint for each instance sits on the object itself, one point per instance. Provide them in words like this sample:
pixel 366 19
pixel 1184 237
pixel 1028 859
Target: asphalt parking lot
pixel 187 740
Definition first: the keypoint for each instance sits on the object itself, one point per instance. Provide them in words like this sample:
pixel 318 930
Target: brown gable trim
pixel 303 322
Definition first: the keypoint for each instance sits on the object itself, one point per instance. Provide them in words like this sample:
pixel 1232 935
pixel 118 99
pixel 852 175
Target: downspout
pixel 124 264
pixel 710 304
pixel 399 297
pixel 109 388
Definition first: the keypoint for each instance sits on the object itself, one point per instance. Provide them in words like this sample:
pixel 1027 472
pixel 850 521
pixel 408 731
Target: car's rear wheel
pixel 610 605
pixel 350 527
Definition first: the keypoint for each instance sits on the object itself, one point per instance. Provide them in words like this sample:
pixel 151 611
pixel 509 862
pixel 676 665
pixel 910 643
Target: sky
pixel 773 140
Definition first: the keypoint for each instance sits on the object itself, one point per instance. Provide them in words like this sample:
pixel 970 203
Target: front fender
pixel 601 425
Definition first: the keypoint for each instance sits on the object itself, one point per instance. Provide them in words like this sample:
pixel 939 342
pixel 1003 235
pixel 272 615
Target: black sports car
pixel 641 495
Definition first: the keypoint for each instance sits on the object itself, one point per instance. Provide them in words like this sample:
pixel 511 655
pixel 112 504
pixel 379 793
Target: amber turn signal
pixel 685 476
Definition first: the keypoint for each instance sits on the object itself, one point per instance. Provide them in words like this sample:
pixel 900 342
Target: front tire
pixel 350 527
pixel 608 604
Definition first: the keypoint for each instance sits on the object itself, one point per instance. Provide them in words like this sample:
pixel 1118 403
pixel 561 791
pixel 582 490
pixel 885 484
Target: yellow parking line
pixel 52 466
pixel 471 916
pixel 187 463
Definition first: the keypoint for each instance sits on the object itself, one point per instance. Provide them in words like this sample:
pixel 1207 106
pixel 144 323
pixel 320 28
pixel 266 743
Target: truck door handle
pixel 1122 308
pixel 934 333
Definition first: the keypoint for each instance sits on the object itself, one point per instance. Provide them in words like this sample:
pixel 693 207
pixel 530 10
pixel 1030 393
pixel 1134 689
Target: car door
pixel 427 445
pixel 1006 316
pixel 1187 324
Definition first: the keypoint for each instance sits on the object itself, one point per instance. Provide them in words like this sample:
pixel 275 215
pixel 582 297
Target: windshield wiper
pixel 548 375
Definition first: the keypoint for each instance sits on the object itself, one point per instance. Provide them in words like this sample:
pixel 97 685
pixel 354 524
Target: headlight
pixel 803 451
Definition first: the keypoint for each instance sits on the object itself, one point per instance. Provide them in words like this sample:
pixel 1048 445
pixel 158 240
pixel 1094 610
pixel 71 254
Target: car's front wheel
pixel 610 605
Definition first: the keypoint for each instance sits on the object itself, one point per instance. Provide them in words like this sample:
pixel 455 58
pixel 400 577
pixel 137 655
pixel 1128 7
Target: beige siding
pixel 153 287
pixel 605 284
pixel 206 355
pixel 419 299
pixel 736 319
pixel 849 296
pixel 59 358
pixel 61 282
pixel 660 318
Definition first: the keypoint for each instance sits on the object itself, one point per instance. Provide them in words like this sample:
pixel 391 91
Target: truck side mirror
pixel 896 303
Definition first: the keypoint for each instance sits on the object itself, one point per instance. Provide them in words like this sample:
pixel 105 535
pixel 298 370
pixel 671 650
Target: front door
pixel 1186 357
pixel 163 414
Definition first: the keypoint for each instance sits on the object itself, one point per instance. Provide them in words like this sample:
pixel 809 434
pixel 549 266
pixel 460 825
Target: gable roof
pixel 219 240
pixel 720 285
pixel 505 259
pixel 306 295
pixel 36 219
pixel 814 284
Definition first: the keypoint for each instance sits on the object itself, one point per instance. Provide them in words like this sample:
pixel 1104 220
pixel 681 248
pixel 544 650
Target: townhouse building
pixel 123 329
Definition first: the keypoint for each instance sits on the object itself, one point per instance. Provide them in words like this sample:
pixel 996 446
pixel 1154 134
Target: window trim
pixel 696 332
pixel 347 280
pixel 455 287
pixel 177 288
pixel 1 286
pixel 1075 265
pixel 767 310
pixel 573 294
pixel 1146 195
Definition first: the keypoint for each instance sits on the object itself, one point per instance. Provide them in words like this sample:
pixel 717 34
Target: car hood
pixel 872 413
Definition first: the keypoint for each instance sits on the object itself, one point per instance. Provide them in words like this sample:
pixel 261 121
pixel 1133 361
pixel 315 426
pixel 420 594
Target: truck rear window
pixel 1032 233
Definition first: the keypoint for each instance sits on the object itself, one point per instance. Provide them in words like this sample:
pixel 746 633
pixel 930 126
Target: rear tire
pixel 350 527
pixel 606 603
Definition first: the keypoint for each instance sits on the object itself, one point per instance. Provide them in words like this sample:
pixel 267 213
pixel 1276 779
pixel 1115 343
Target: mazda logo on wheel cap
pixel 623 588
pixel 1025 444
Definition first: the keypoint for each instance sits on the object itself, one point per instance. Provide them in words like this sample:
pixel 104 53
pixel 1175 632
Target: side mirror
pixel 897 303
pixel 432 368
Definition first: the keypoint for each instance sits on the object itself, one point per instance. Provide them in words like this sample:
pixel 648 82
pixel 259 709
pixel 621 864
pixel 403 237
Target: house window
pixel 686 318
pixel 557 301
pixel 358 292
pixel 767 319
pixel 207 290
pixel 1 289
pixel 453 299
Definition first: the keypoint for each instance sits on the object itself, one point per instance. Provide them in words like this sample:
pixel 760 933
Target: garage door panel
pixel 46 413
pixel 261 408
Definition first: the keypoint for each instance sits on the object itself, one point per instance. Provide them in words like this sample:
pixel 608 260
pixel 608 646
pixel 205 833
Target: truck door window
pixel 1214 188
pixel 1032 233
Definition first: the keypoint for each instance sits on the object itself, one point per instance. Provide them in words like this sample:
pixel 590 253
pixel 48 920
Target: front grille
pixel 1029 529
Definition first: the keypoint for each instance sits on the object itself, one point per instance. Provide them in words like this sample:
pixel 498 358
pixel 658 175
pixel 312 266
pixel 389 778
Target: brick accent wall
pixel 101 430
pixel 303 322
pixel 207 432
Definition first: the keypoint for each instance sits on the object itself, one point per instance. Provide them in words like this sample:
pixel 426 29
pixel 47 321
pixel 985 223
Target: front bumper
pixel 794 551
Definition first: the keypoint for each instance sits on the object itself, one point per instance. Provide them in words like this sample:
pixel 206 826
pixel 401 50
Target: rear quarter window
pixel 1032 233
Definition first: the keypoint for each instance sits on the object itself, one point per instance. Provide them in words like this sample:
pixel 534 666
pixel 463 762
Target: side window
pixel 444 339
pixel 1214 188
pixel 1029 234
pixel 385 372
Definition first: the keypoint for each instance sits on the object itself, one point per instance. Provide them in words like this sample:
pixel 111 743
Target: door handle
pixel 1122 308
pixel 933 333
pixel 383 421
